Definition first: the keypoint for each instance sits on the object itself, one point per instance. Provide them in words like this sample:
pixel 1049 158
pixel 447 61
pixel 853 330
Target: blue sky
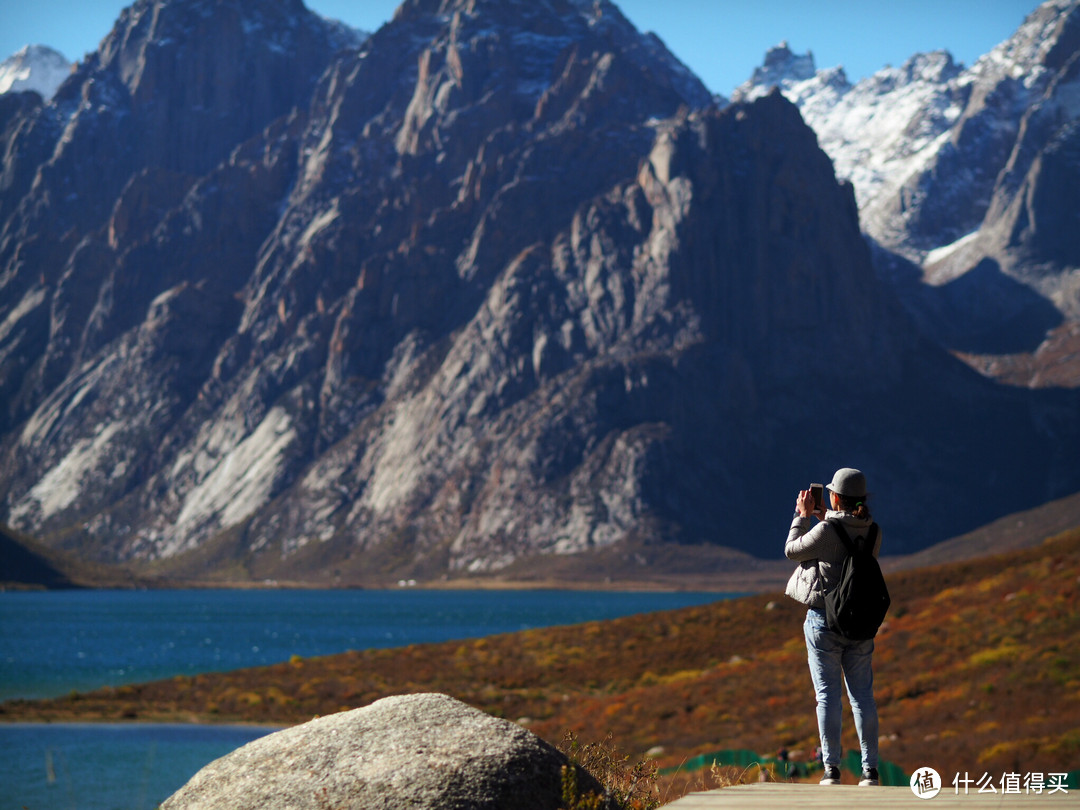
pixel 722 41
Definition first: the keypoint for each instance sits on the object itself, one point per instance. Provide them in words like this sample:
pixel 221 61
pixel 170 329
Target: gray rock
pixel 407 751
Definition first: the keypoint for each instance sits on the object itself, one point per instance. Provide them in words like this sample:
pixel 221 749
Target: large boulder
pixel 407 751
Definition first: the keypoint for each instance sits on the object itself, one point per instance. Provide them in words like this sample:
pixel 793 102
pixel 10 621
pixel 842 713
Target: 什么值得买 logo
pixel 925 783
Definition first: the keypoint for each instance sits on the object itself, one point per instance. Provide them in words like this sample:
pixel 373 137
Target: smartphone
pixel 818 493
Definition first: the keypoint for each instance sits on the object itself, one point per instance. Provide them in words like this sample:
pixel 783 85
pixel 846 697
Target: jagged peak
pixel 782 68
pixel 535 36
pixel 781 63
pixel 155 43
pixel 601 16
pixel 167 21
pixel 37 51
pixel 1048 34
pixel 34 67
pixel 934 66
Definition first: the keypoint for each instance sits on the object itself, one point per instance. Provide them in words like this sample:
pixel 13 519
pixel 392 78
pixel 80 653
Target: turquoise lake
pixel 54 642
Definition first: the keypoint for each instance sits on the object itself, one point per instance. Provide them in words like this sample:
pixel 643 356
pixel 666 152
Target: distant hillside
pixel 1011 533
pixel 26 564
pixel 976 668
pixel 724 569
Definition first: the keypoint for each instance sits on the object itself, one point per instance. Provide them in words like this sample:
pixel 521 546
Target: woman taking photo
pixel 833 658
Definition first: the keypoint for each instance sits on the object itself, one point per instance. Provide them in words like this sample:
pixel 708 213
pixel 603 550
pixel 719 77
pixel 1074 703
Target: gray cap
pixel 848 482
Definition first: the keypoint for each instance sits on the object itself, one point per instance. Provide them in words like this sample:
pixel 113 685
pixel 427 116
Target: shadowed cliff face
pixel 503 283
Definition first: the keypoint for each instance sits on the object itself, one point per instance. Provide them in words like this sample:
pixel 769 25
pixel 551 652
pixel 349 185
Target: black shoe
pixel 869 777
pixel 832 775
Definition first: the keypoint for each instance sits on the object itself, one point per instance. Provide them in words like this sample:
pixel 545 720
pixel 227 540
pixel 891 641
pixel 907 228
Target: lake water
pixel 112 766
pixel 54 642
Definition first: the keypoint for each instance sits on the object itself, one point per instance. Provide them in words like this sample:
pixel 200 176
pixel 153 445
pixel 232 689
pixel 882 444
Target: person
pixel 833 658
pixel 783 758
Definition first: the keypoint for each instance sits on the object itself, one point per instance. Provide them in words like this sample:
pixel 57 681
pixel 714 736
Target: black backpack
pixel 857 605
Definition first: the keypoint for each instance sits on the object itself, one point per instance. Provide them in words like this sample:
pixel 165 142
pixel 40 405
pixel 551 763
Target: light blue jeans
pixel 834 659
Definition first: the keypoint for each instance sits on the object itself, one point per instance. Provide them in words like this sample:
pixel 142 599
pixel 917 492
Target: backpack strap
pixel 845 538
pixel 847 547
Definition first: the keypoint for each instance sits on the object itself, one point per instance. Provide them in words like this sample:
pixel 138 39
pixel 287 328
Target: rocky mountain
pixel 499 283
pixel 961 177
pixel 36 68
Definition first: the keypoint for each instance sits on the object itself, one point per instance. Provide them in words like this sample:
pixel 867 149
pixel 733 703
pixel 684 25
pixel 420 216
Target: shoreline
pixel 146 723
pixel 771 576
pixel 710 568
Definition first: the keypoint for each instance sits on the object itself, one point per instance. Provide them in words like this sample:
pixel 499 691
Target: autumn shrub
pixel 626 786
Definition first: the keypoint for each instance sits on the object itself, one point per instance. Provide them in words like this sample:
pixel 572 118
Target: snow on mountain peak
pixel 1026 53
pixel 34 67
pixel 782 68
pixel 889 127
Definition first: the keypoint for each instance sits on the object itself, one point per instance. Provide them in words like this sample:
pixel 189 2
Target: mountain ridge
pixel 493 306
pixel 948 164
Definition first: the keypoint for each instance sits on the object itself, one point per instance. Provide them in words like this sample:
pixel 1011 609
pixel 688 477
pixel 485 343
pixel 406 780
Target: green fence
pixel 741 758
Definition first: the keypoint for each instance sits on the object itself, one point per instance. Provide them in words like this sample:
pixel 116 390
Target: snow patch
pixel 942 253
pixel 34 67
